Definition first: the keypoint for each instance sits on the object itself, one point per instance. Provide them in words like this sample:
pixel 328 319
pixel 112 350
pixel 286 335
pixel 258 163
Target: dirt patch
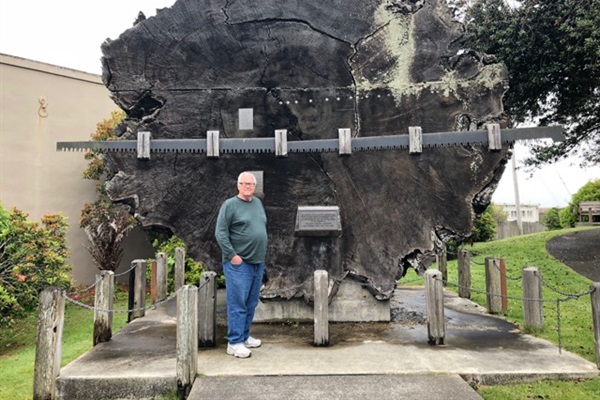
pixel 579 250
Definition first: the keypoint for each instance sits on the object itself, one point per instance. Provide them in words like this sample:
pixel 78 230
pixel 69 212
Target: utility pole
pixel 516 185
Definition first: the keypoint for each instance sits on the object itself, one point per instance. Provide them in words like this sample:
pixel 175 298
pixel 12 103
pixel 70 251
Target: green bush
pixel 588 192
pixel 567 217
pixel 484 227
pixel 193 269
pixel 32 257
pixel 551 219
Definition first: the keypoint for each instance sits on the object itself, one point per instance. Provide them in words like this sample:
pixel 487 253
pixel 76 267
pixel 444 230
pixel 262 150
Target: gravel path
pixel 579 250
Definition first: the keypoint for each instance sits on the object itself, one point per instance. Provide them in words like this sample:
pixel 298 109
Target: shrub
pixel 567 217
pixel 32 257
pixel 105 223
pixel 193 269
pixel 551 219
pixel 484 227
pixel 106 226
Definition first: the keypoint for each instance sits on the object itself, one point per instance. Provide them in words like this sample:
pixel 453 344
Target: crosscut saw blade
pixel 370 143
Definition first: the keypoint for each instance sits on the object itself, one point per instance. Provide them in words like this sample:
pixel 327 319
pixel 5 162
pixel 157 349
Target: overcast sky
pixel 69 33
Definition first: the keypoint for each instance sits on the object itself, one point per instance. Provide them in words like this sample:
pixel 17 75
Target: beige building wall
pixel 529 212
pixel 40 105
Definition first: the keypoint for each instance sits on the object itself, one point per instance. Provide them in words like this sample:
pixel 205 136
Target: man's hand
pixel 236 260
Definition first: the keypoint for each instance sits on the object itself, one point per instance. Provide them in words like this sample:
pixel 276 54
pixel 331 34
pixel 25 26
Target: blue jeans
pixel 243 284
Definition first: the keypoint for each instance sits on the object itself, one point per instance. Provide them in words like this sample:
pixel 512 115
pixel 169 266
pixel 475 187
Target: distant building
pixel 529 212
pixel 589 211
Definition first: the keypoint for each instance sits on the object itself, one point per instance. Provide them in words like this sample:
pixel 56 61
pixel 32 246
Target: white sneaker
pixel 251 342
pixel 238 350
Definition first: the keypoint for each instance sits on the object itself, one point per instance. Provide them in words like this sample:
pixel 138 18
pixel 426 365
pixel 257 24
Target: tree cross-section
pixel 335 74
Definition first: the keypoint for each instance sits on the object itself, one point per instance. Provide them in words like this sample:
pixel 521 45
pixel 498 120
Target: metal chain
pixel 98 281
pixel 507 296
pixel 125 272
pixel 151 306
pixel 512 278
pixel 571 296
pixel 477 263
pixel 84 290
pixel 336 280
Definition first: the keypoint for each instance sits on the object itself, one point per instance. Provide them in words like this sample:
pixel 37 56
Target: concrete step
pixel 334 387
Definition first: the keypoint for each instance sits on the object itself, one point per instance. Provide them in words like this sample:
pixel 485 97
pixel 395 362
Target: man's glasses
pixel 247 183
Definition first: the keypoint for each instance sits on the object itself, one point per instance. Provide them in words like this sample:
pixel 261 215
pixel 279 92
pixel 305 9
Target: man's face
pixel 246 186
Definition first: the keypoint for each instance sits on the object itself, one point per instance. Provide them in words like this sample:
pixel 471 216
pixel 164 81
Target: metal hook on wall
pixel 42 110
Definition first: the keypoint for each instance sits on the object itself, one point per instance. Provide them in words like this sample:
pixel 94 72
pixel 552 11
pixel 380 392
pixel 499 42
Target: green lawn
pixel 575 315
pixel 17 344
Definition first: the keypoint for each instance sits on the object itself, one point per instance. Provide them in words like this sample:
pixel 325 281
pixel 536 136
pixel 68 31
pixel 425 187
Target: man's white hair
pixel 246 173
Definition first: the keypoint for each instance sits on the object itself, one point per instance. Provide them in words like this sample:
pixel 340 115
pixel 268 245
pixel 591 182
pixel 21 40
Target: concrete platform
pixel 139 362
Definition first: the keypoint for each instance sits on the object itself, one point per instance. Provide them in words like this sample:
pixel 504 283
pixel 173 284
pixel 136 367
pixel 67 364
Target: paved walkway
pixel 387 360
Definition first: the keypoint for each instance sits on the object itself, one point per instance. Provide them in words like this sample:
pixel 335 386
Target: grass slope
pixel 576 334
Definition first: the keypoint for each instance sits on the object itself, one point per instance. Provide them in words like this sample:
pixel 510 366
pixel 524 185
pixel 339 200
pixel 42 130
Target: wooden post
pixel 187 344
pixel 492 285
pixel 212 144
pixel 345 147
pixel 464 274
pixel 442 263
pixel 143 145
pixel 161 276
pixel 533 307
pixel 321 308
pixel 281 147
pixel 207 310
pixel 131 293
pixel 179 275
pixel 103 302
pixel 49 343
pixel 494 137
pixel 415 140
pixel 596 318
pixel 153 282
pixel 434 296
pixel 139 290
pixel 503 286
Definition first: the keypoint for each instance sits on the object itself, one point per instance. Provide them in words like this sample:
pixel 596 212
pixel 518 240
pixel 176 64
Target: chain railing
pixel 133 310
pixel 563 295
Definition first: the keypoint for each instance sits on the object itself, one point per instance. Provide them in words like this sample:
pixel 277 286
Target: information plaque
pixel 318 221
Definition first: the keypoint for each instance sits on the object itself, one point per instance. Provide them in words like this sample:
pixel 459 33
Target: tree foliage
pixel 32 257
pixel 484 227
pixel 193 269
pixel 105 129
pixel 105 223
pixel 588 192
pixel 552 52
pixel 567 217
pixel 497 213
pixel 551 219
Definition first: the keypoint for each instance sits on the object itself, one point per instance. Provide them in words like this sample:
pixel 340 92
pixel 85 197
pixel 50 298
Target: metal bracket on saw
pixel 213 146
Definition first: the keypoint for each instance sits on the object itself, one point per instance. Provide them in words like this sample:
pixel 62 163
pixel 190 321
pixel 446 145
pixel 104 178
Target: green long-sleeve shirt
pixel 242 229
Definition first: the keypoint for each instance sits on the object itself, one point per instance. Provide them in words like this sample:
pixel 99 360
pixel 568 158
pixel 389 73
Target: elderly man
pixel 241 232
